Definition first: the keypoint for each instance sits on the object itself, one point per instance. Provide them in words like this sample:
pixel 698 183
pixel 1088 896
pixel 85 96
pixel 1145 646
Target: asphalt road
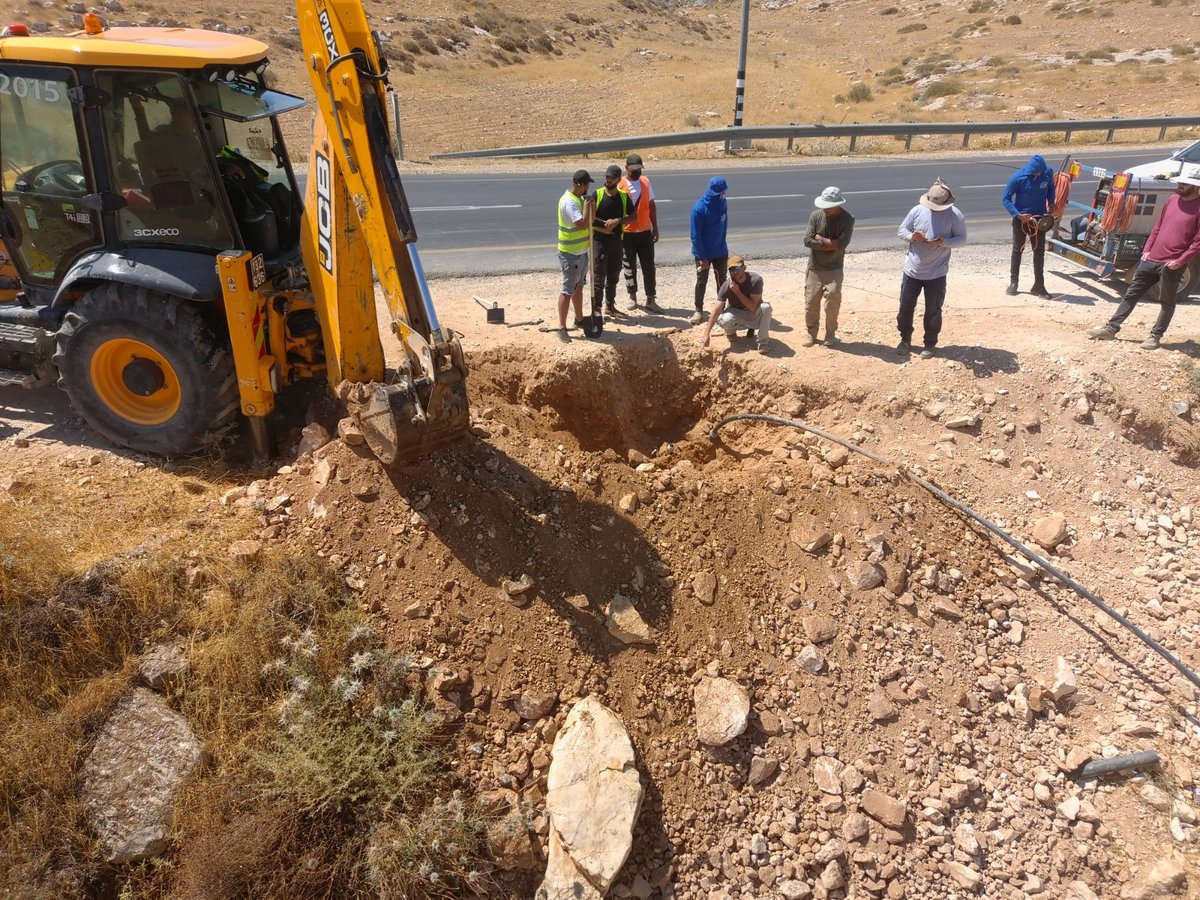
pixel 489 224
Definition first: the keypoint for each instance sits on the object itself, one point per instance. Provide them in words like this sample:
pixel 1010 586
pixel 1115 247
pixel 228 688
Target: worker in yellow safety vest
pixel 575 214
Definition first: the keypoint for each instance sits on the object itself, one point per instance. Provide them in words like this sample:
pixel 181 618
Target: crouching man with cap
pixel 932 229
pixel 740 304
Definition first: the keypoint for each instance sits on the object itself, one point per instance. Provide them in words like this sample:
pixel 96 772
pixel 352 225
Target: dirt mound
pixel 901 741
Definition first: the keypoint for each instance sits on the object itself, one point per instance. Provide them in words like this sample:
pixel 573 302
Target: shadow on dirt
pixel 982 361
pixel 579 552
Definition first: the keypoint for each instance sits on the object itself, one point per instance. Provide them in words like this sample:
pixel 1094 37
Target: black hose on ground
pixel 995 529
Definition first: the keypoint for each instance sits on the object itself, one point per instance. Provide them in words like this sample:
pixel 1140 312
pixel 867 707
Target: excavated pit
pixel 594 477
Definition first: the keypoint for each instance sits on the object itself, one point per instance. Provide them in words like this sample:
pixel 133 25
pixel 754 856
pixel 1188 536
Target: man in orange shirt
pixel 642 235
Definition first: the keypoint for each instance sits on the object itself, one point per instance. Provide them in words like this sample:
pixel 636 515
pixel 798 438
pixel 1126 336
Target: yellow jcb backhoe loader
pixel 159 262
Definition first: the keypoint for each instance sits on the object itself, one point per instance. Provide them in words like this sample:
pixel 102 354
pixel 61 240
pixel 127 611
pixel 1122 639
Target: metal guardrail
pixel 854 131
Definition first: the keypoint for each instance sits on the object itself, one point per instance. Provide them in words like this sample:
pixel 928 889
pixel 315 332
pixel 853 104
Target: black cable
pixel 985 522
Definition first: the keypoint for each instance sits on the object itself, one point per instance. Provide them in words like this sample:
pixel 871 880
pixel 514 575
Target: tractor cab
pixel 104 154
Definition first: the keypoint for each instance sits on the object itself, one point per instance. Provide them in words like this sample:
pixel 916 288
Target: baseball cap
pixel 612 172
pixel 736 262
pixel 633 161
pixel 581 176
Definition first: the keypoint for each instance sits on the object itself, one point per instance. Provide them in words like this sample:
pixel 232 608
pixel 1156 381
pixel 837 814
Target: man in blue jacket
pixel 710 221
pixel 1028 196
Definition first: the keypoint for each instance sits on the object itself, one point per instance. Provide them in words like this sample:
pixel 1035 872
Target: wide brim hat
pixel 939 197
pixel 1188 175
pixel 829 198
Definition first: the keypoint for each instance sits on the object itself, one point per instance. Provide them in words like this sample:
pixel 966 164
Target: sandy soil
pixel 590 470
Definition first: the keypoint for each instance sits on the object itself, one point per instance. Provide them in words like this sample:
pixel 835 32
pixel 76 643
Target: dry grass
pixel 91 576
pixel 538 72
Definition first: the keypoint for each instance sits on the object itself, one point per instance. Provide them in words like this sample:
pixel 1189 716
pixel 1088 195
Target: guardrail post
pixel 853 142
pixel 908 141
pixel 1012 139
pixel 966 139
pixel 1162 133
pixel 1108 140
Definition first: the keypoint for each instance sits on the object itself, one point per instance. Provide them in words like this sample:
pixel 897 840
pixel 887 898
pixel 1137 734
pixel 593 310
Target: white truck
pixel 1107 234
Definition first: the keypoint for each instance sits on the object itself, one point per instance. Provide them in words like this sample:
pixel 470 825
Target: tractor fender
pixel 188 275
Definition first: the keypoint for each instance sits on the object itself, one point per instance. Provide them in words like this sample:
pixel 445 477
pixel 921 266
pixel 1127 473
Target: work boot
pixel 652 306
pixel 696 318
pixel 810 340
pixel 904 348
pixel 1014 273
pixel 1039 282
pixel 927 353
pixel 1150 343
pixel 1102 333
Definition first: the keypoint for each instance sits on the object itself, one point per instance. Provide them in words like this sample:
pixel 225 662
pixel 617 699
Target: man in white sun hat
pixel 932 228
pixel 1171 247
pixel 829 230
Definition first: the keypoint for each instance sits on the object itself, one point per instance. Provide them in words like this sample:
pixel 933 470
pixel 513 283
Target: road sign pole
pixel 740 96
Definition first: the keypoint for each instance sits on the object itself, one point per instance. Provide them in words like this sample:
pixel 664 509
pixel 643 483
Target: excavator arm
pixel 356 219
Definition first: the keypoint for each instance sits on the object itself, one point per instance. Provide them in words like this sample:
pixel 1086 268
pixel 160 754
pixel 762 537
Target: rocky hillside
pixel 522 72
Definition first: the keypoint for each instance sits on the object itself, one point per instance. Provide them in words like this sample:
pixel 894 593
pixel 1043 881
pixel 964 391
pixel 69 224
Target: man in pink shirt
pixel 1172 245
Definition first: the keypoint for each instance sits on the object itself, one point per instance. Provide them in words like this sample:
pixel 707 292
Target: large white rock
pixel 722 710
pixel 133 774
pixel 593 796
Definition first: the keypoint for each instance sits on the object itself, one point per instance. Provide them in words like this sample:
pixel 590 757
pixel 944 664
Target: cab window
pixel 42 172
pixel 162 162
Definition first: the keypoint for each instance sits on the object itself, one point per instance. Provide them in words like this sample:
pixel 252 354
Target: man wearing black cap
pixel 575 214
pixel 613 212
pixel 642 235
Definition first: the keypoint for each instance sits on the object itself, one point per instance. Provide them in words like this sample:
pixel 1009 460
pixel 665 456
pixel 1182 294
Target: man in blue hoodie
pixel 1028 196
pixel 710 221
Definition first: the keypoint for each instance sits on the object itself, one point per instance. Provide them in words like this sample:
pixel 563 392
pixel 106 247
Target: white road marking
pixel 425 209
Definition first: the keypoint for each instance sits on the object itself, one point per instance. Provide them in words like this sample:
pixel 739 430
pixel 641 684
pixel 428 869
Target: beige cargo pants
pixel 826 283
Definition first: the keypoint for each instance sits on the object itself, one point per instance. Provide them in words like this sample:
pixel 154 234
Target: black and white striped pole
pixel 740 100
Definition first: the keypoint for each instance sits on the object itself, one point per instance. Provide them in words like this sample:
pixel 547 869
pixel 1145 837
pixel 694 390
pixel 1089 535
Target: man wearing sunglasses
pixel 740 304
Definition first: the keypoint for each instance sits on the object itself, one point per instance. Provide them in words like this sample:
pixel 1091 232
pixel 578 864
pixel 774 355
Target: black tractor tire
pixel 146 370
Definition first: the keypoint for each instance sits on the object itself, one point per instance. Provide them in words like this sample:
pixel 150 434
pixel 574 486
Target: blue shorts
pixel 574 271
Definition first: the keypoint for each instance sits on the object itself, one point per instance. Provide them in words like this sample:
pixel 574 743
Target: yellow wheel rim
pixel 135 381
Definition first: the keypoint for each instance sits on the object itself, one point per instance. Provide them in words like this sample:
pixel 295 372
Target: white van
pixel 1087 239
pixel 1169 167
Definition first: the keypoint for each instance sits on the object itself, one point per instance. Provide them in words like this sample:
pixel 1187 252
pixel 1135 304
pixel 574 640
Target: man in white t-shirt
pixel 575 213
pixel 642 235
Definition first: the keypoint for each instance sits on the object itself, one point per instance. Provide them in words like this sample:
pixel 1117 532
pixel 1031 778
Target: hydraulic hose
pixel 991 526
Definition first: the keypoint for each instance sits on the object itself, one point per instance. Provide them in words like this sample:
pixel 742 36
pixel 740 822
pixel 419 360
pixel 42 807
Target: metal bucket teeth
pixel 401 425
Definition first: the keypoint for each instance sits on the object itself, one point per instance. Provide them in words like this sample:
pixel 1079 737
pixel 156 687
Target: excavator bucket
pixel 400 425
pixel 363 225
